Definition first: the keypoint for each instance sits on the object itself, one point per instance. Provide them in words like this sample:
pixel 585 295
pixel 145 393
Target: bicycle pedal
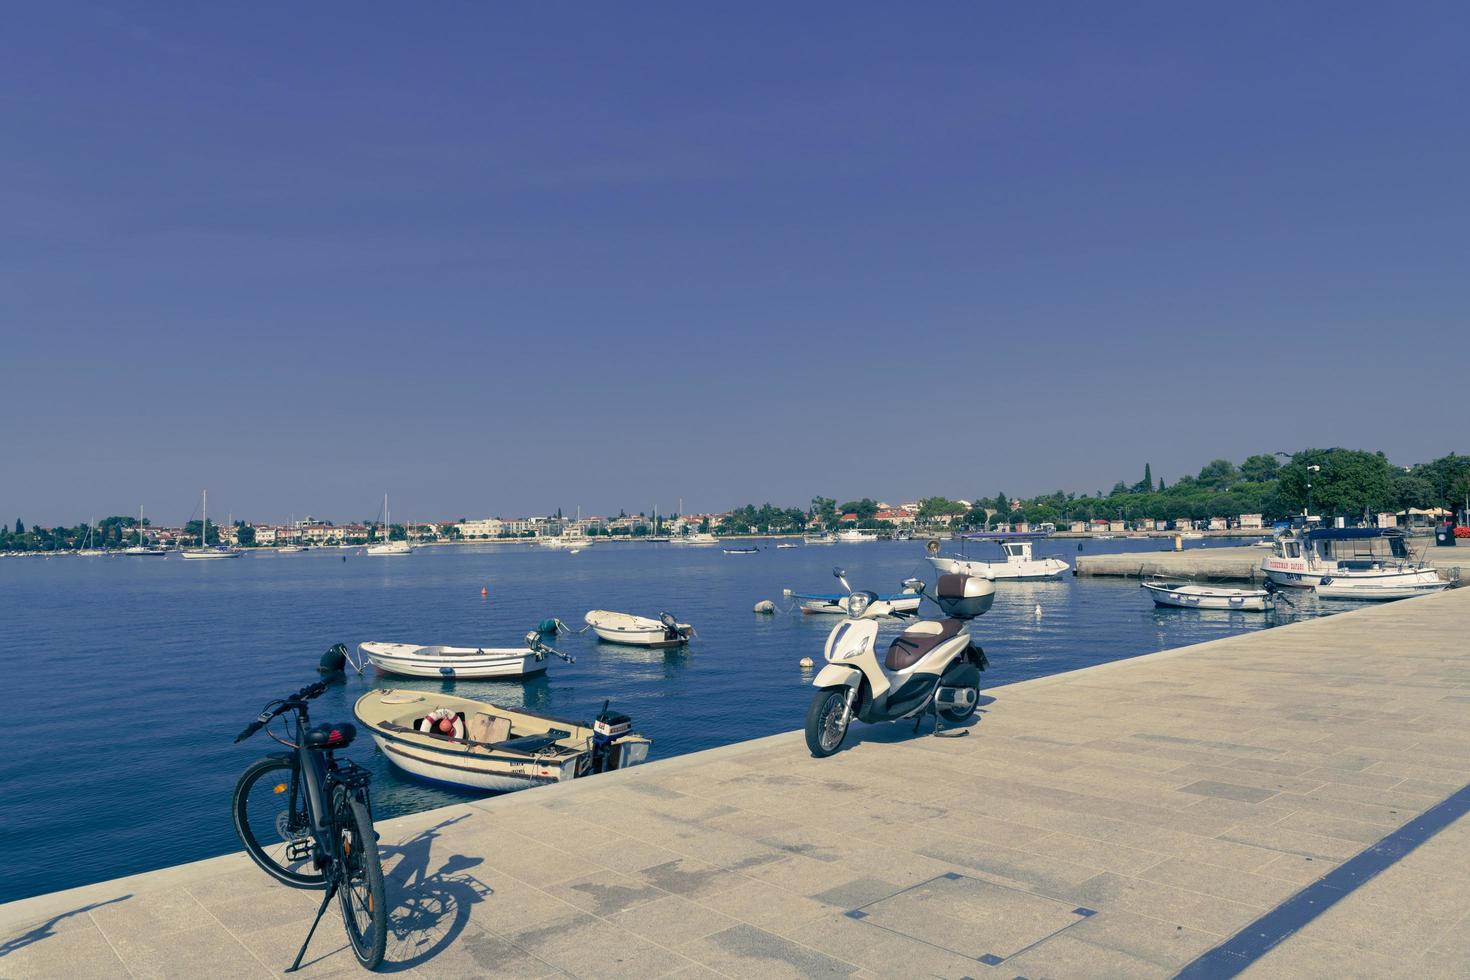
pixel 298 850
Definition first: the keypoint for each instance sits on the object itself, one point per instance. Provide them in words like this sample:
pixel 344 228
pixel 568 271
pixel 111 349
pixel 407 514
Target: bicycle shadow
pixel 428 907
pixel 47 929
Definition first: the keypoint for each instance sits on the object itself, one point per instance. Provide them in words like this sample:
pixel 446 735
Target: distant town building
pixel 1249 521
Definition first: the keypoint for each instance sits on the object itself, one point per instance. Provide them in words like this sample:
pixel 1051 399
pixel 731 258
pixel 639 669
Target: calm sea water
pixel 127 679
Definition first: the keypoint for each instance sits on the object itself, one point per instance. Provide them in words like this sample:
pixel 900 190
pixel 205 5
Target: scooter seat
pixel 914 643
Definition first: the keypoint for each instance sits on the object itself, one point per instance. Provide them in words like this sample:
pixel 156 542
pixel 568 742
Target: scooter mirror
pixel 932 546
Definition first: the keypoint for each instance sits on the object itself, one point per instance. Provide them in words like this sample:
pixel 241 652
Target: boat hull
pixel 468 664
pixel 1239 600
pixel 208 555
pixel 462 772
pixel 1033 570
pixel 638 631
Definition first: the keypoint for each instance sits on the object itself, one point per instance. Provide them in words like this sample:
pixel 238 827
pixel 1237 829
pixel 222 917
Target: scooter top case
pixel 964 596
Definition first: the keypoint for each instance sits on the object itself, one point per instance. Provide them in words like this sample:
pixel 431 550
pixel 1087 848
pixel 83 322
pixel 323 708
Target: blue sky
pixel 505 258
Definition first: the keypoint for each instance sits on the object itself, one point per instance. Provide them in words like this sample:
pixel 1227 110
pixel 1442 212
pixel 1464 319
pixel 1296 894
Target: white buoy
pixel 1038 610
pixel 806 661
pixel 765 606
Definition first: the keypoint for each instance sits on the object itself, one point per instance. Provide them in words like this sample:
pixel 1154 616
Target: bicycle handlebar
pixel 276 708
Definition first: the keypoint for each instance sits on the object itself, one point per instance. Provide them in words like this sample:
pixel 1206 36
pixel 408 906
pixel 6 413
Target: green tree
pixel 940 509
pixel 1348 482
pixel 824 510
pixel 1260 468
pixel 19 527
pixel 864 509
pixel 245 535
pixel 1218 474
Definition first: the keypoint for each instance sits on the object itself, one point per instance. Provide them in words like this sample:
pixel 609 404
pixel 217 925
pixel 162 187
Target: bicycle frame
pixel 311 769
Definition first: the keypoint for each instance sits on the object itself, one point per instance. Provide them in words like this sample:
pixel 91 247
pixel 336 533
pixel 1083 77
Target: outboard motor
pixel 333 662
pixel 671 626
pixel 607 728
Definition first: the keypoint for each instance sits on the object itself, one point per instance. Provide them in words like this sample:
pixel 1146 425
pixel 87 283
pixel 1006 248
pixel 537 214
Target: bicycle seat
pixel 330 735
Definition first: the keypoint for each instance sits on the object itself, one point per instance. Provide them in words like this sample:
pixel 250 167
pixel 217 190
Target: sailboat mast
pixel 204 519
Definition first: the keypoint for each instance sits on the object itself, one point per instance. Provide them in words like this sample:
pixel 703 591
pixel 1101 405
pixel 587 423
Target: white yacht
pixel 699 537
pixel 143 549
pixel 204 552
pixel 854 536
pixel 1362 556
pixel 388 548
pixel 1019 563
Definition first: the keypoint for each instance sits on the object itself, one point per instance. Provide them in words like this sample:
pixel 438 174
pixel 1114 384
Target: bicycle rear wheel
pixel 273 822
pixel 364 904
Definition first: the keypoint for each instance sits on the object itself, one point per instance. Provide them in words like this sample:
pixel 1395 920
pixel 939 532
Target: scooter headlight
pixel 858 603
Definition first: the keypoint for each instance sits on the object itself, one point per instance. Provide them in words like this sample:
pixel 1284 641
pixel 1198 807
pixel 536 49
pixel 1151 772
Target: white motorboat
pixel 741 551
pixel 481 746
pixel 204 552
pixel 1206 597
pixel 412 660
pixel 565 543
pixel 1375 588
pixel 787 544
pixel 817 539
pixel 388 548
pixel 1019 563
pixel 1192 536
pixel 290 549
pixel 640 631
pixel 701 537
pixel 854 536
pixel 1303 558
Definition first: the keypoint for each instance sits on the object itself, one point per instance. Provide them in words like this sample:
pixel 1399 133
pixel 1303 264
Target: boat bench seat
pixel 532 743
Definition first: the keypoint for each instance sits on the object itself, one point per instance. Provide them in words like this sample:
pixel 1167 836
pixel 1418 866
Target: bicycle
pixel 305 818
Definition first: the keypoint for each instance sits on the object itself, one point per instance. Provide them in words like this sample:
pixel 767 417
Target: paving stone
pixel 745 950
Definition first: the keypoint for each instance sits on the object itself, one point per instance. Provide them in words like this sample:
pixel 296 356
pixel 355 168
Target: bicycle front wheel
pixel 364 906
pixel 274 824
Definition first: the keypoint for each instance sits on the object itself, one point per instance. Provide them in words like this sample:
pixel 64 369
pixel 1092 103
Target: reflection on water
pixel 166 661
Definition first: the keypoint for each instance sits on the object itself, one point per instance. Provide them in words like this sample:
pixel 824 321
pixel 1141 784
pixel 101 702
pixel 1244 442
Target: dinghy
pixel 1205 597
pixel 640 631
pixel 411 660
pixel 479 746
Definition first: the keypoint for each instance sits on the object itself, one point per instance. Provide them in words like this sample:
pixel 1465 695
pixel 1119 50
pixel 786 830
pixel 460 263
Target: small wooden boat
pixel 474 745
pixel 412 660
pixel 1205 597
pixel 1376 588
pixel 640 631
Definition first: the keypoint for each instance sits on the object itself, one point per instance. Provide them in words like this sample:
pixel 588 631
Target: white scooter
pixel 931 665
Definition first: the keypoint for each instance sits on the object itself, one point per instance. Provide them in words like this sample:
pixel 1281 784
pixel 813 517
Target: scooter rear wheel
pixel 825 727
pixel 957 715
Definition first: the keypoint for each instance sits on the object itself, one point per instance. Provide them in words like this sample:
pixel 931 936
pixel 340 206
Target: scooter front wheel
pixel 827 721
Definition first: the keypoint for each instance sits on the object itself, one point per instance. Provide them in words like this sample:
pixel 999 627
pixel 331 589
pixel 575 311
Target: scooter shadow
pixel 890 732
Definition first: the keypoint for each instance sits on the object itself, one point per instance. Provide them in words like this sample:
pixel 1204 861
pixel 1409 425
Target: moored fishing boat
pixel 413 660
pixel 854 536
pixel 1206 597
pixel 481 746
pixel 616 627
pixel 1019 562
pixel 741 551
pixel 699 537
pixel 1304 558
